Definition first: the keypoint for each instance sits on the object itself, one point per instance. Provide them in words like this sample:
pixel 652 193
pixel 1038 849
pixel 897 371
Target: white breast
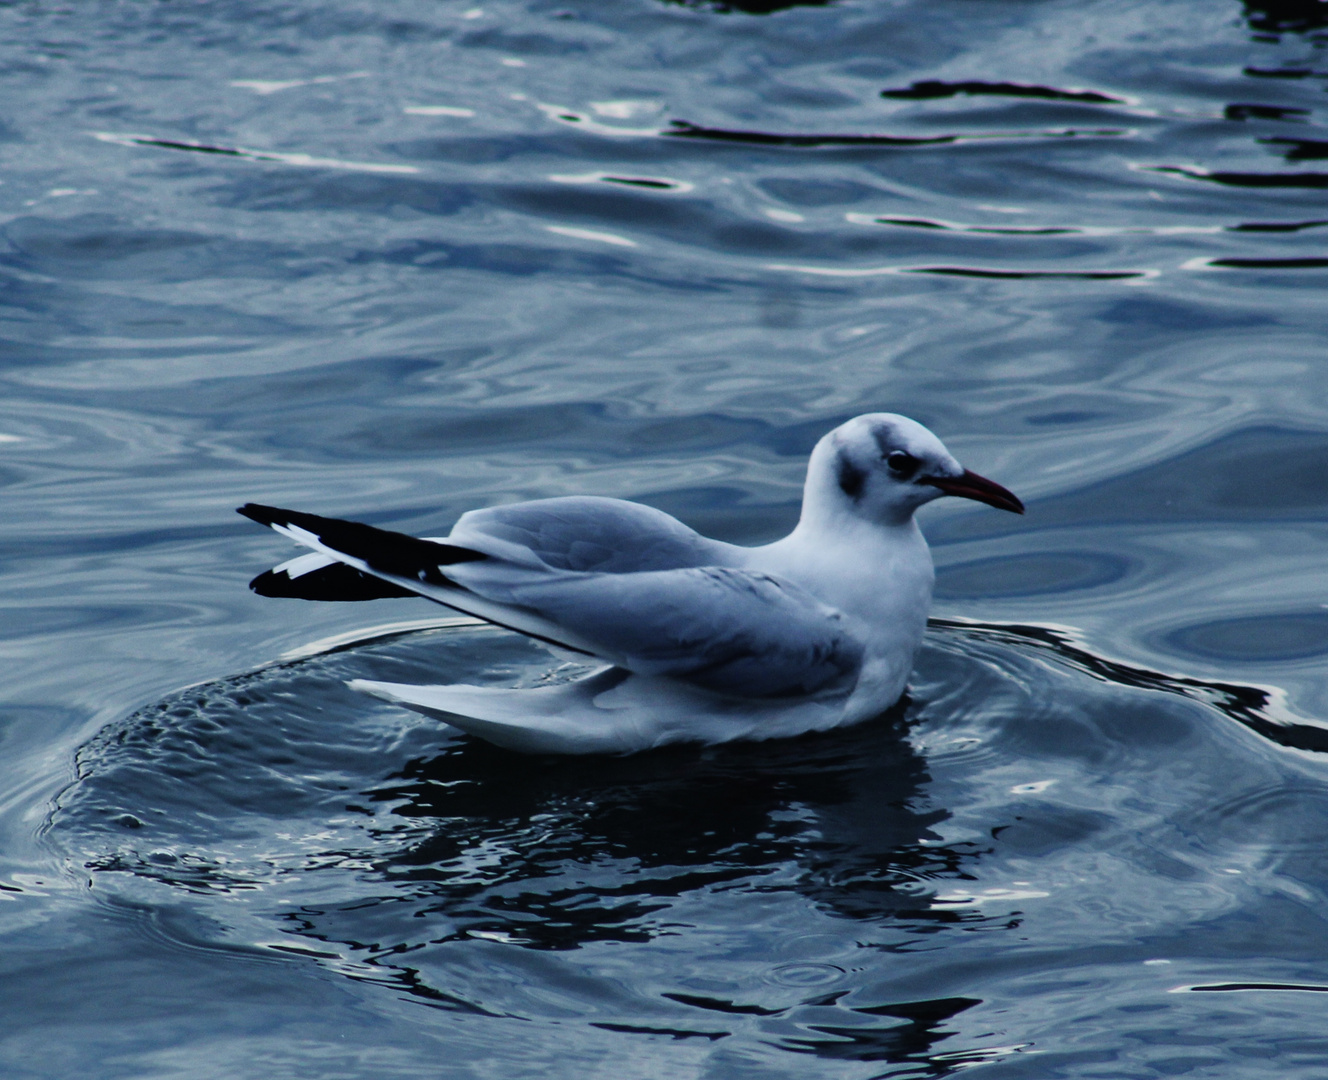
pixel 880 578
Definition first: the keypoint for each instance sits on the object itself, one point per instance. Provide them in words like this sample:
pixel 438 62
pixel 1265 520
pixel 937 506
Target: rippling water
pixel 397 260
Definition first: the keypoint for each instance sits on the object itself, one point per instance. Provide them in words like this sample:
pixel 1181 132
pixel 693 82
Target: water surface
pixel 393 261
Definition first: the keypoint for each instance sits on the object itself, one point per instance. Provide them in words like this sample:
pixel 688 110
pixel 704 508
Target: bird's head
pixel 882 467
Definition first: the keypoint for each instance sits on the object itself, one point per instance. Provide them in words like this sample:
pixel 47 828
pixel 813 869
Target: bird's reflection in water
pixel 521 844
pixel 756 894
pixel 558 854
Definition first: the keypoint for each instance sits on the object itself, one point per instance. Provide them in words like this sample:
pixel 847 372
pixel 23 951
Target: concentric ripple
pixel 802 884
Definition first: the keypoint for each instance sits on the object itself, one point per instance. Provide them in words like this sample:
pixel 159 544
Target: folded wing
pixel 728 630
pixel 620 584
pixel 586 533
pixel 417 567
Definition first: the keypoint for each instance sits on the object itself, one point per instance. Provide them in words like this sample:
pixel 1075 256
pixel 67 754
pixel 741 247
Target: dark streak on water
pixel 931 89
pixel 682 129
pixel 393 261
pixel 1255 180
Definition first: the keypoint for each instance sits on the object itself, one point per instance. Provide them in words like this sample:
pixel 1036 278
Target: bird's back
pixel 587 534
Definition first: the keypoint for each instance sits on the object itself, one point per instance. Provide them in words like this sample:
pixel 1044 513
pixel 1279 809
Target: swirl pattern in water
pixel 837 896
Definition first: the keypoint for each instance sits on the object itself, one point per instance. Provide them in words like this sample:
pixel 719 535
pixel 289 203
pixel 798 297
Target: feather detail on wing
pixel 723 629
pixel 726 630
pixel 585 533
pixel 413 564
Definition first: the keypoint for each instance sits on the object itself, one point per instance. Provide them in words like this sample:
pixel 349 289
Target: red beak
pixel 973 486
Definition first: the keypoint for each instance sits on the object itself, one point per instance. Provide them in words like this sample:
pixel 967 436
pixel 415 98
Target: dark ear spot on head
pixel 851 479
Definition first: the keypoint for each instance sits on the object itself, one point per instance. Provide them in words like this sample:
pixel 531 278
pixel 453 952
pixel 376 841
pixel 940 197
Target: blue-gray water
pixel 394 260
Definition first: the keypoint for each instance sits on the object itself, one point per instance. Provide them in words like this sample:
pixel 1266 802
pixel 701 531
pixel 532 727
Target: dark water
pixel 397 260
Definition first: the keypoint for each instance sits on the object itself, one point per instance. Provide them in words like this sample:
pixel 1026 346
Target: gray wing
pixel 727 630
pixel 651 595
pixel 587 534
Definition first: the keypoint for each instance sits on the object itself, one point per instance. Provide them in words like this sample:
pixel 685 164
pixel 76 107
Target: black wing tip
pixel 270 584
pixel 337 582
pixel 264 515
pixel 384 552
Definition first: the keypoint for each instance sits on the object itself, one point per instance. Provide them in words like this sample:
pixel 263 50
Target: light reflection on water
pixel 394 262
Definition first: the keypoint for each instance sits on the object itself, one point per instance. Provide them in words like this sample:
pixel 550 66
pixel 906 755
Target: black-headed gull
pixel 701 641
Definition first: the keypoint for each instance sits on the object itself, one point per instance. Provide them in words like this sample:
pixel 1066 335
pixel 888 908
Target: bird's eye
pixel 901 462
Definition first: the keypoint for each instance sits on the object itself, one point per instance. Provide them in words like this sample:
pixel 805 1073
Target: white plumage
pixel 701 641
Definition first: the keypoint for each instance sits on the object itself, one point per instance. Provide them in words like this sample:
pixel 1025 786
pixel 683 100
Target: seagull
pixel 691 639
